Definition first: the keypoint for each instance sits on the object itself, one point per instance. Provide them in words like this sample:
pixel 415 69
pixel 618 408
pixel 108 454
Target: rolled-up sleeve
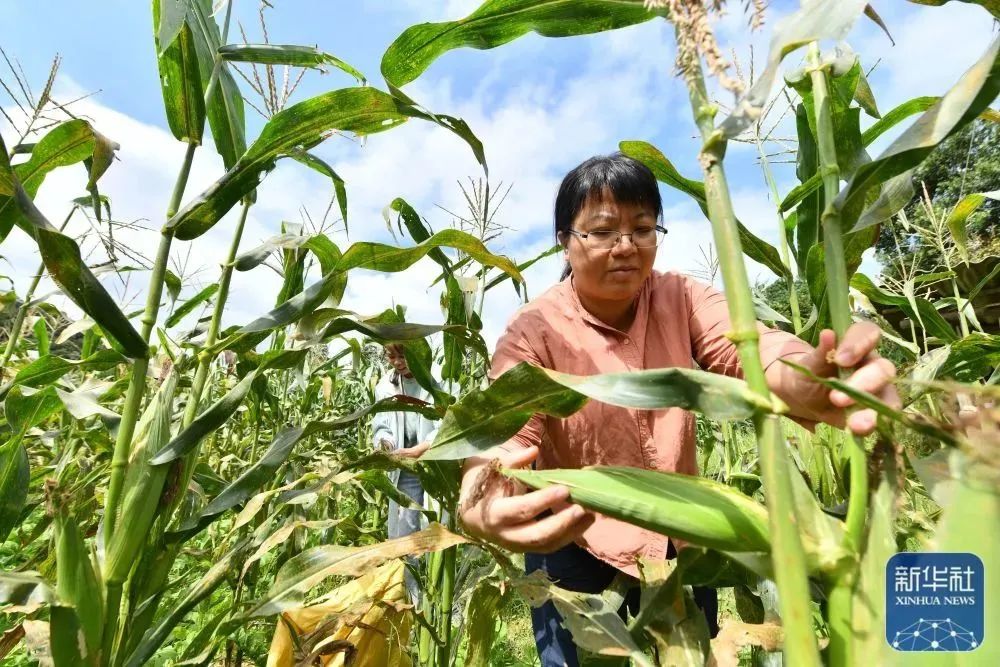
pixel 513 348
pixel 710 324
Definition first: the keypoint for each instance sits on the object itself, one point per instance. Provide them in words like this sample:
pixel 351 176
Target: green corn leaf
pixel 591 619
pixel 523 267
pixel 753 247
pixel 361 111
pixel 189 305
pixel 41 336
pixel 815 21
pixel 168 19
pixel 77 584
pixel 806 168
pixel 339 186
pixel 418 229
pixel 64 638
pixel 25 591
pixel 489 417
pixel 956 220
pixel 224 108
pixel 46 370
pixel 866 400
pixel 204 587
pixel 497 22
pixel 25 409
pixel 180 74
pixel 217 414
pixel 992 6
pixel 918 309
pixel 968 360
pixel 286 54
pixel 484 606
pixel 14 477
pixel 694 509
pixel 67 144
pixel 375 257
pixel 968 525
pixel 867 620
pixel 307 570
pixel 977 88
pixel 263 471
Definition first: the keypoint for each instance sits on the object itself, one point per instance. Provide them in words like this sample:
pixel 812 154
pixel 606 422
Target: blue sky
pixel 540 106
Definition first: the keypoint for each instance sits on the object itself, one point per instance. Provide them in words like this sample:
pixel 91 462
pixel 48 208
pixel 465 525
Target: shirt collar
pixel 641 309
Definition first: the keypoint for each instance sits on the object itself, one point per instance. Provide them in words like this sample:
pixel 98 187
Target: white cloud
pixel 534 129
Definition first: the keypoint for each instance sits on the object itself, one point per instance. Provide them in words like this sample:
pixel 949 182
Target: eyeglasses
pixel 605 239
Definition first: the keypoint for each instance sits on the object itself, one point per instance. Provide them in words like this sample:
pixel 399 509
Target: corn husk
pixel 370 613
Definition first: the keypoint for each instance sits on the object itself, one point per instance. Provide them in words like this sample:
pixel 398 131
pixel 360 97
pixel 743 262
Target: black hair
pixel 626 179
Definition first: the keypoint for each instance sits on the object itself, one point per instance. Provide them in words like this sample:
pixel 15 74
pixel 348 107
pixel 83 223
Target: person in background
pixel 610 313
pixel 405 435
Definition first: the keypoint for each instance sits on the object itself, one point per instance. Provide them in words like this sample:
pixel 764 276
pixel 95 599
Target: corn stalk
pixel 840 316
pixel 787 552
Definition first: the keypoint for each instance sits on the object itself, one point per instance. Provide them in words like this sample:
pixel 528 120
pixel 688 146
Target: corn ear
pixel 694 509
pixel 143 485
pixel 77 583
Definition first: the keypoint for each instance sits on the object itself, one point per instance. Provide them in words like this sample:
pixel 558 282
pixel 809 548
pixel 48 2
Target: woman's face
pixel 609 274
pixel 395 356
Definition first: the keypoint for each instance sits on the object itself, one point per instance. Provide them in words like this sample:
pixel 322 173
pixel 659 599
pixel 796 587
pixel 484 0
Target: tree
pixel 966 163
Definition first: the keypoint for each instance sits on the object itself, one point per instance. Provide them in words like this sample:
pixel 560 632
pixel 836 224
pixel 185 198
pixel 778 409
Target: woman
pixel 406 435
pixel 613 313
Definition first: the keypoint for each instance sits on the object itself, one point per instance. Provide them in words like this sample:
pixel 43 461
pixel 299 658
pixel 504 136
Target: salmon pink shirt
pixel 679 322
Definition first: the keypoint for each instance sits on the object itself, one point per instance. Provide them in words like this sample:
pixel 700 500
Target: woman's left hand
pixel 811 401
pixel 412 452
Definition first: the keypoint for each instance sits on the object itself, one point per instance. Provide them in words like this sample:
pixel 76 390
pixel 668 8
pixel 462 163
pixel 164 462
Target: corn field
pixel 210 496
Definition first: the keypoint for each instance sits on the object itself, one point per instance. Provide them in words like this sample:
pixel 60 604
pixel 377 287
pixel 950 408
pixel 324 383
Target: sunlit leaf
pixel 305 571
pixel 485 418
pixel 497 22
pixel 286 54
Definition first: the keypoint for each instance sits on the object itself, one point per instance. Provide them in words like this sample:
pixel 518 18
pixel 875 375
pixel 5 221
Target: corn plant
pixel 788 538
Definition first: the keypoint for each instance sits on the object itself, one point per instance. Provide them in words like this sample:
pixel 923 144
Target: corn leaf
pixel 224 107
pixel 753 247
pixel 180 74
pixel 307 570
pixel 49 368
pixel 968 205
pixel 189 305
pixel 14 477
pixel 923 311
pixel 814 21
pixel 217 415
pixel 286 54
pixel 969 525
pixel 68 143
pixel 483 419
pixel 694 509
pixel 372 256
pixel 339 186
pixel 593 622
pixel 484 605
pixel 168 19
pixel 866 400
pixel 867 623
pixel 154 638
pixel 992 6
pixel 25 592
pixel 497 22
pixel 972 95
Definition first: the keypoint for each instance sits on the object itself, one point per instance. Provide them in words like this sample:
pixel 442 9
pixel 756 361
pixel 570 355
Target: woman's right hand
pixel 501 511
